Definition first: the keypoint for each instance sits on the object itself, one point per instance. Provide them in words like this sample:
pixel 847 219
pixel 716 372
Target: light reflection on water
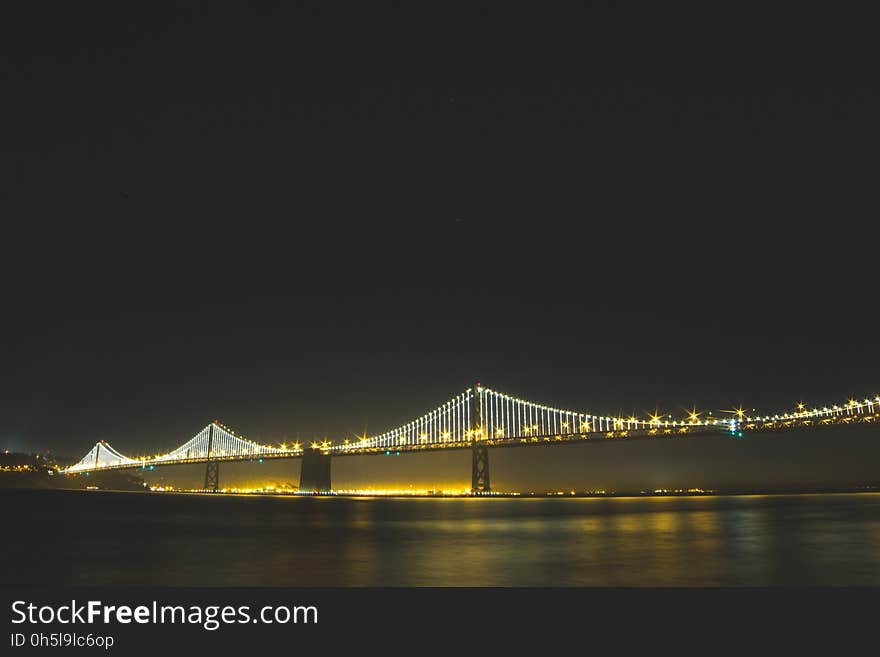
pixel 182 540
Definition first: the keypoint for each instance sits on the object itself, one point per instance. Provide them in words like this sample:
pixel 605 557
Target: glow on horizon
pixel 457 491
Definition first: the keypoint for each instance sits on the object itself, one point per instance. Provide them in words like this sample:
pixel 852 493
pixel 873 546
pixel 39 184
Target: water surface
pixel 88 538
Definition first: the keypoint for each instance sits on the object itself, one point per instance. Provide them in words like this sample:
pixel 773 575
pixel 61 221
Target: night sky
pixel 324 221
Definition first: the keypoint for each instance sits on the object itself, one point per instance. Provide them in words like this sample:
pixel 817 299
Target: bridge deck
pixel 595 438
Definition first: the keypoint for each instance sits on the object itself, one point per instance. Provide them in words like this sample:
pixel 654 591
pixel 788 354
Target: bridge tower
pixel 212 468
pixel 480 451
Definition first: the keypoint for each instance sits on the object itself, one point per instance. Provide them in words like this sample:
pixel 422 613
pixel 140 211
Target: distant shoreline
pixel 504 495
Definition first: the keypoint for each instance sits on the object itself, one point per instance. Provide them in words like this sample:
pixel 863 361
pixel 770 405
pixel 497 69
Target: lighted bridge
pixel 477 419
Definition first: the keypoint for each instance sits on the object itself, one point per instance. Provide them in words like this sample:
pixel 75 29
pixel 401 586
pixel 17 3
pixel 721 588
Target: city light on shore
pixel 348 492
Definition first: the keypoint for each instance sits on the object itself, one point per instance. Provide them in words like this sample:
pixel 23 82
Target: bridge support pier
pixel 480 469
pixel 315 473
pixel 212 476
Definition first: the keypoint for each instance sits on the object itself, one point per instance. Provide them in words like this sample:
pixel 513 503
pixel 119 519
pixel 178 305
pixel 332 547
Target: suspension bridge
pixel 477 419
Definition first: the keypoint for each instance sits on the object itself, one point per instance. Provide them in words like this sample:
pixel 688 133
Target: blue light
pixel 387 453
pixel 261 460
pixel 396 453
pixel 152 467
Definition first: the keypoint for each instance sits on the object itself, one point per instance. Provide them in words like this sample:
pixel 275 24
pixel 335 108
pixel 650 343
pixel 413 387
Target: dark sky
pixel 325 220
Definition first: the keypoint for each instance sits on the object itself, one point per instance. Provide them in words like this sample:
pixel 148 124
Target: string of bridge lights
pixel 214 441
pixel 503 417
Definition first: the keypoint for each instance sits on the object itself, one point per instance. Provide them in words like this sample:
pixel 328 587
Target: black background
pixel 546 620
